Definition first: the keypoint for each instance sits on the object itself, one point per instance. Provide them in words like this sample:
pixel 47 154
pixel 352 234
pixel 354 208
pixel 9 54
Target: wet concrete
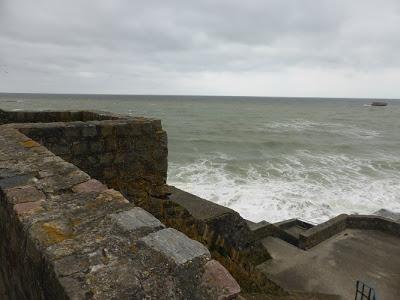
pixel 334 266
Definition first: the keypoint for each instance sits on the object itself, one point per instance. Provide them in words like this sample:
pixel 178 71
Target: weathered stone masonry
pixel 64 235
pixel 130 155
pixel 76 192
pixel 127 154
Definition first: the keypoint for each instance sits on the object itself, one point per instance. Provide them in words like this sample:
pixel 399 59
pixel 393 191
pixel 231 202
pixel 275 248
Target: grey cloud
pixel 145 42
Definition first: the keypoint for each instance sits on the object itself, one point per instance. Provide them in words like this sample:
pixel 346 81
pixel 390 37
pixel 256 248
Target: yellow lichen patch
pixel 113 195
pixel 133 248
pixel 99 238
pixel 55 233
pixel 97 203
pixel 76 222
pixel 30 144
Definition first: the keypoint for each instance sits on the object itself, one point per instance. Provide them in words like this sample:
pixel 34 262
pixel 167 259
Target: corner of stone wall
pixel 65 235
pixel 222 230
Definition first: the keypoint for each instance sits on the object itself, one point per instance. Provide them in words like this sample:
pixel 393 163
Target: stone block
pixel 176 246
pixel 71 131
pixel 106 158
pixel 89 131
pixel 14 181
pixel 96 146
pixel 24 194
pixel 79 148
pixel 135 129
pixel 28 207
pixel 122 129
pixel 73 288
pixel 89 186
pixel 120 157
pixel 110 173
pixel 46 173
pixel 107 130
pixel 62 182
pixel 59 149
pixel 110 143
pixel 136 218
pixel 124 143
pixel 217 277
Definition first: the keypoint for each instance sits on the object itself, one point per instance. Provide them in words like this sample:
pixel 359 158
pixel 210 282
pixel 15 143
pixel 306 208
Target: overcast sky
pixel 331 48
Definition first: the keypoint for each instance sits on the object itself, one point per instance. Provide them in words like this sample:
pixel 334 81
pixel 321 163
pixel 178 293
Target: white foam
pixel 306 185
pixel 301 125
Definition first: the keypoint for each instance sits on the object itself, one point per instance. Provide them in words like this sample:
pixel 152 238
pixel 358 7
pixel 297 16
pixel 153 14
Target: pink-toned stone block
pixel 91 185
pixel 216 276
pixel 24 194
pixel 28 207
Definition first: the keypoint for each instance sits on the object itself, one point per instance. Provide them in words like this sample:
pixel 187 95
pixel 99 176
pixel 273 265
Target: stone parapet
pixel 222 230
pixel 65 235
pixel 370 222
pixel 126 153
pixel 322 232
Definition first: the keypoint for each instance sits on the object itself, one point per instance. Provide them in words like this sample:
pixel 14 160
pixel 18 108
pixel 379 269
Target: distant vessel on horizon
pixel 379 103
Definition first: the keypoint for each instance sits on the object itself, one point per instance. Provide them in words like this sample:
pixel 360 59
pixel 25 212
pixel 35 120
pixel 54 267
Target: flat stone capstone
pixel 135 219
pixel 176 246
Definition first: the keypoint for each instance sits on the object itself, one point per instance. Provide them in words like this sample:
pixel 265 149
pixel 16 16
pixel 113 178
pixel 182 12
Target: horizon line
pixel 188 95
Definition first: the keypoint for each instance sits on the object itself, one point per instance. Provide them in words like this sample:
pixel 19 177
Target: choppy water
pixel 269 159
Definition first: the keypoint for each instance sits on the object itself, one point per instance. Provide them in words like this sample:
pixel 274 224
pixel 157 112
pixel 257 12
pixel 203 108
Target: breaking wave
pixel 305 185
pixel 300 125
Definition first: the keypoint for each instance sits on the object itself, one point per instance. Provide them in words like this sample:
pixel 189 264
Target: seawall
pixel 86 213
pixel 70 227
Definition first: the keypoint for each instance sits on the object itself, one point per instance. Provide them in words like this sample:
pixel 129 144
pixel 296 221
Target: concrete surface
pixel 334 266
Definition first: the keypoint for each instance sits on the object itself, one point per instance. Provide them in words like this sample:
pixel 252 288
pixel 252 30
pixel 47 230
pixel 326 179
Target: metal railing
pixel 365 292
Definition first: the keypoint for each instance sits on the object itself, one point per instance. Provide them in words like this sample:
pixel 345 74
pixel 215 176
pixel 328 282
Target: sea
pixel 268 158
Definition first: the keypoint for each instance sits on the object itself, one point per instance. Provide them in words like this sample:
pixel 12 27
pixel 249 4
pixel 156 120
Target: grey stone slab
pixel 135 219
pixel 176 246
pixel 15 181
pixel 198 207
pixel 6 173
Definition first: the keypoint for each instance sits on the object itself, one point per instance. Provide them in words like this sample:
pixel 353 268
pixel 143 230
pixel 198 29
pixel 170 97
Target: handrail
pixel 364 291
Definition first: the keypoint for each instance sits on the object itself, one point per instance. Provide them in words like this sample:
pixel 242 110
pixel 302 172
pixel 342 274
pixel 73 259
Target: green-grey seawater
pixel 268 158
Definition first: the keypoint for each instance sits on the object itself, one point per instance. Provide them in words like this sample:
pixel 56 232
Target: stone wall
pixel 55 116
pixel 64 235
pixel 368 222
pixel 222 230
pixel 322 232
pixel 265 229
pixel 317 234
pixel 128 154
pixel 73 186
